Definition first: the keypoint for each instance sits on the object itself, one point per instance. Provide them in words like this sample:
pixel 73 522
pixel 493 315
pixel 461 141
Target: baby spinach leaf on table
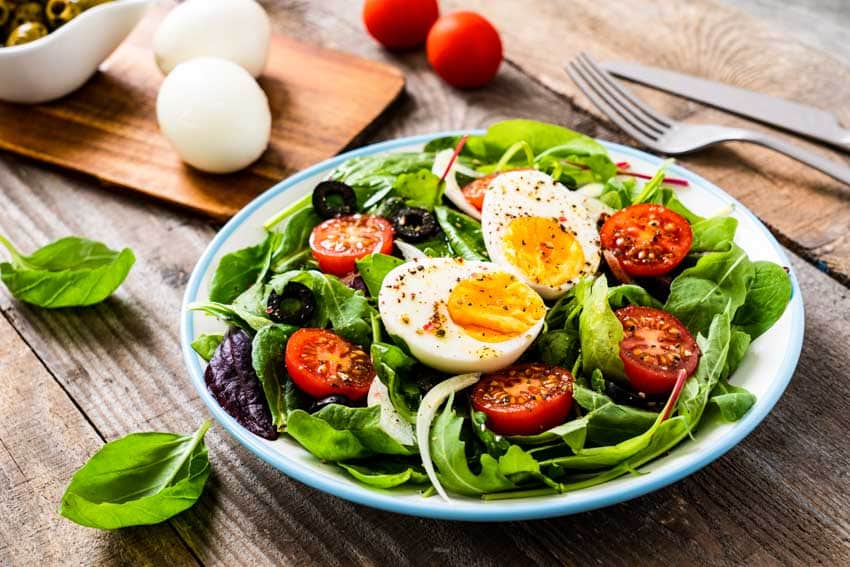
pixel 348 311
pixel 710 234
pixel 267 357
pixel 70 272
pixel 421 189
pixel 448 452
pixel 463 233
pixel 600 333
pixel 719 281
pixel 140 479
pixel 732 401
pixel 205 345
pixel 374 268
pixel 397 370
pixel 766 299
pixel 385 473
pixel 232 381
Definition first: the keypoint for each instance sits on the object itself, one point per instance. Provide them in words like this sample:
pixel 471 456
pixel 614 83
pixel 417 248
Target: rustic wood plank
pixel 320 100
pixel 43 439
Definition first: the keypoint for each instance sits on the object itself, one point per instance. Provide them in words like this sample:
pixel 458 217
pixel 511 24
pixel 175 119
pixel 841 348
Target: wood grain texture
pixel 321 100
pixel 780 497
pixel 43 439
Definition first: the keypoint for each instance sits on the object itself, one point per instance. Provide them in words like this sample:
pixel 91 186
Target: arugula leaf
pixel 292 248
pixel 496 445
pixel 205 345
pixel 600 333
pixel 719 281
pixel 140 479
pixel 714 349
pixel 70 272
pixel 374 268
pixel 421 189
pixel 449 456
pixel 767 297
pixel 385 473
pixel 463 233
pixel 267 357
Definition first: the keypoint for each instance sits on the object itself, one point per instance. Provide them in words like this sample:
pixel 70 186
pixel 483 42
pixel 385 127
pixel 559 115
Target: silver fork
pixel 667 136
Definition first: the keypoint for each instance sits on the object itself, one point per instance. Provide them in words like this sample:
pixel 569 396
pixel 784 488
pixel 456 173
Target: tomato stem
pixel 458 148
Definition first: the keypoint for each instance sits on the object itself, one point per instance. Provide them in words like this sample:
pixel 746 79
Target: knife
pixel 799 118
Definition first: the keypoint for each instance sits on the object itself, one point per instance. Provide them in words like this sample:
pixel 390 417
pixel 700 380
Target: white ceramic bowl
pixel 62 61
pixel 765 370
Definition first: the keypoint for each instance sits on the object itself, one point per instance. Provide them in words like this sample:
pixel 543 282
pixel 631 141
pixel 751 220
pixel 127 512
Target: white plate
pixel 765 371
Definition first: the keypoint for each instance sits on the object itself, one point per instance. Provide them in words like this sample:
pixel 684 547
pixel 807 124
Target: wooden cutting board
pixel 320 101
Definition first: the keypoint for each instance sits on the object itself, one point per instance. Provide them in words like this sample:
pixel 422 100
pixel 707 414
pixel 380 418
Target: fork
pixel 670 137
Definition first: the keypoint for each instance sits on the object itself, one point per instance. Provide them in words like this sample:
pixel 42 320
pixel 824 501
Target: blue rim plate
pixel 766 370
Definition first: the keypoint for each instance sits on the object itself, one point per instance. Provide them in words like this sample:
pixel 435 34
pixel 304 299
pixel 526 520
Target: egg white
pixel 413 292
pixel 532 193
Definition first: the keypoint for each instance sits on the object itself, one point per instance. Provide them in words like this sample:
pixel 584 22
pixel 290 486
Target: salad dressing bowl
pixel 60 62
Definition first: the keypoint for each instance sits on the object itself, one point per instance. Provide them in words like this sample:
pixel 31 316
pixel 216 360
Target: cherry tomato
pixel 337 243
pixel 321 363
pixel 400 24
pixel 647 239
pixel 464 49
pixel 655 348
pixel 475 189
pixel 524 399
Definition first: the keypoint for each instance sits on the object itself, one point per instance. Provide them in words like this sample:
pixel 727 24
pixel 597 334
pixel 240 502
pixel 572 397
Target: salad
pixel 504 315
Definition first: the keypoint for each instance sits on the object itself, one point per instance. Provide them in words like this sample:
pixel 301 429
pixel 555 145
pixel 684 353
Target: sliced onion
pixel 410 252
pixel 724 211
pixel 453 192
pixel 391 421
pixel 425 416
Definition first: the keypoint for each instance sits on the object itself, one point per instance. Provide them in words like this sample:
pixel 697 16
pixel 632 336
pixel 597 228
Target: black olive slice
pixel 626 396
pixel 294 306
pixel 334 198
pixel 414 224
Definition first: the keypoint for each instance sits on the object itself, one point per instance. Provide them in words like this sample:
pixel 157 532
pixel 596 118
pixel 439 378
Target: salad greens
pixel 70 272
pixel 140 479
pixel 725 299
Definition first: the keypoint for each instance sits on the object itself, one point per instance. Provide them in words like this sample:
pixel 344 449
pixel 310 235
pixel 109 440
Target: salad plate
pixel 764 371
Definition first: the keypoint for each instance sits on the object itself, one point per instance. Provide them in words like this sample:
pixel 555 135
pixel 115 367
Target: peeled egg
pixel 540 231
pixel 460 316
pixel 214 114
pixel 237 30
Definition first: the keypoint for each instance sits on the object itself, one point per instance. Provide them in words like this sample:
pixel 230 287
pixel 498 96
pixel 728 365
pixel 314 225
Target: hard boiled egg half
pixel 460 316
pixel 539 230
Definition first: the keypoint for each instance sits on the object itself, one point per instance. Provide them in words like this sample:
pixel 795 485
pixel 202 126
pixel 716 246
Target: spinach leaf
pixel 386 473
pixel 767 297
pixel 267 357
pixel 600 333
pixel 140 479
pixel 540 136
pixel 421 189
pixel 463 233
pixel 739 342
pixel 205 345
pixel 374 268
pixel 714 349
pixel 620 295
pixel 448 452
pixel 371 176
pixel 239 270
pixel 231 315
pixel 365 424
pixel 70 272
pixel 711 233
pixel 496 445
pixel 559 347
pixel 719 281
pixel 292 248
pixel 397 371
pixel 732 401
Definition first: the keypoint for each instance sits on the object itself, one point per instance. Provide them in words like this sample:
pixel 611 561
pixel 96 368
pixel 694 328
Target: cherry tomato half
pixel 400 24
pixel 322 363
pixel 524 399
pixel 655 347
pixel 474 190
pixel 337 243
pixel 464 49
pixel 647 239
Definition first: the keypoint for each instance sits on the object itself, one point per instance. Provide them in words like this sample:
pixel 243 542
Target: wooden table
pixel 72 379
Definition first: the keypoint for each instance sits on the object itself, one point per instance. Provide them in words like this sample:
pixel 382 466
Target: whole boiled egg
pixel 539 230
pixel 460 316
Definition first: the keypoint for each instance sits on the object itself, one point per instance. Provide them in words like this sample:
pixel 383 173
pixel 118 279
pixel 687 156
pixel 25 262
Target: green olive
pixel 27 12
pixel 61 12
pixel 25 33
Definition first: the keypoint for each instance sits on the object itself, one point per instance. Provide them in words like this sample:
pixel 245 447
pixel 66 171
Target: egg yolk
pixel 494 307
pixel 543 250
